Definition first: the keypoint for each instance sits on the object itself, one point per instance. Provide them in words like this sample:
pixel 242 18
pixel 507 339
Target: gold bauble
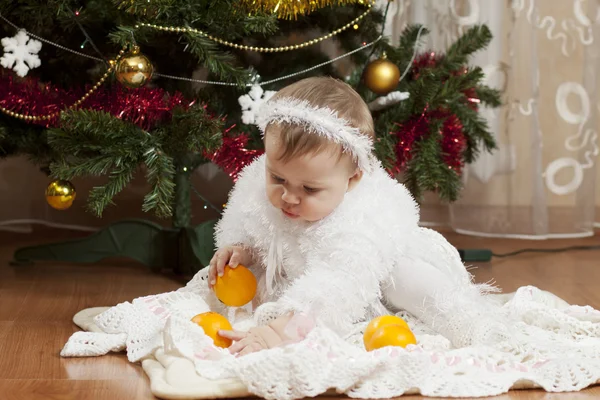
pixel 381 76
pixel 290 9
pixel 60 194
pixel 134 69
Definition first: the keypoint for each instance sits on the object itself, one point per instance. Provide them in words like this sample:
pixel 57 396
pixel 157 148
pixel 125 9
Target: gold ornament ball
pixel 60 194
pixel 381 76
pixel 134 70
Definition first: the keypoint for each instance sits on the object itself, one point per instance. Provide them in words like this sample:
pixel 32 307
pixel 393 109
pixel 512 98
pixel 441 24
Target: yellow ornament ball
pixel 381 76
pixel 379 322
pixel 60 194
pixel 212 323
pixel 391 335
pixel 134 70
pixel 236 287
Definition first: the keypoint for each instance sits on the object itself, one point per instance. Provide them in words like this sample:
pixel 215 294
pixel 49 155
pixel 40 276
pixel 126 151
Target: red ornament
pixel 233 155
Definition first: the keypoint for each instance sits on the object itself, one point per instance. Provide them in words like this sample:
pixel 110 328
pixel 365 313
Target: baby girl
pixel 328 233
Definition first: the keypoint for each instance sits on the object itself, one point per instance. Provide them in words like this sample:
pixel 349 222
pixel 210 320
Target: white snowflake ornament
pixel 20 53
pixel 252 101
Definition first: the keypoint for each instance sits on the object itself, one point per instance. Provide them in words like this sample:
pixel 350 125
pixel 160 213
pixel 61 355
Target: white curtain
pixel 544 179
pixel 542 182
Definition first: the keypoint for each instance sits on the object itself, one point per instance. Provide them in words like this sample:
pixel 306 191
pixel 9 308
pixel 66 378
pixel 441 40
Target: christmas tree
pixel 102 87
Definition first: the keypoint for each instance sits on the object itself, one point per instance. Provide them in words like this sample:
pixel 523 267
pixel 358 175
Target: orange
pixel 379 322
pixel 212 322
pixel 391 335
pixel 236 287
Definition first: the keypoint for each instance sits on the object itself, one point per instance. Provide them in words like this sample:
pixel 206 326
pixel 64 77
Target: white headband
pixel 322 121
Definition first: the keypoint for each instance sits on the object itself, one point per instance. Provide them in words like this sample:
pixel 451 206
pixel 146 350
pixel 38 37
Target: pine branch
pixel 155 8
pixel 475 129
pixel 96 143
pixel 475 39
pixel 229 20
pixel 101 196
pixel 216 60
pixel 402 54
pixel 223 18
pixel 263 24
pixel 71 167
pixel 192 130
pixel 488 96
pixel 427 171
pixel 126 35
pixel 160 176
pixel 453 88
pixel 87 133
pixel 425 91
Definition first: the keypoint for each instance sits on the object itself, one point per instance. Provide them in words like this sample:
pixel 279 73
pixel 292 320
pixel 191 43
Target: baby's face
pixel 308 187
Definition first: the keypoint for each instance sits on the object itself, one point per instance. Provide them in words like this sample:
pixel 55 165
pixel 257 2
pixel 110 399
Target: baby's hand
pixel 284 330
pixel 248 342
pixel 230 255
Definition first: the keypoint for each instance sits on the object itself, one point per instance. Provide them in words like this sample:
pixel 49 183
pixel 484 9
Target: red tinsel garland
pixel 425 60
pixel 453 143
pixel 408 133
pixel 144 107
pixel 233 155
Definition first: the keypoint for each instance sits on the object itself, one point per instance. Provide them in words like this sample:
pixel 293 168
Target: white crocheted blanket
pixel 556 348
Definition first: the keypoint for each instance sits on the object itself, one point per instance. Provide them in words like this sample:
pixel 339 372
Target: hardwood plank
pixel 5 327
pixel 31 351
pixel 13 297
pixel 44 389
pixel 61 291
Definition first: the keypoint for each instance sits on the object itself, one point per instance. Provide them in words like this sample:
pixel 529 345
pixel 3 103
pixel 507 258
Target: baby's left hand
pixel 256 339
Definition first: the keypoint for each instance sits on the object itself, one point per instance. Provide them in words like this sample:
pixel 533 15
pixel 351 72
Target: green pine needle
pixel 473 40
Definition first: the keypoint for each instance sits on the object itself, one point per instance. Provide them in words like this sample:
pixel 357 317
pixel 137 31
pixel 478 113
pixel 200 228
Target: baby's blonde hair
pixel 320 92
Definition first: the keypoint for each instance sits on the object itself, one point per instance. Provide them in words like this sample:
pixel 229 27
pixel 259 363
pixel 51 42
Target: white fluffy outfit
pixel 366 258
pixel 338 269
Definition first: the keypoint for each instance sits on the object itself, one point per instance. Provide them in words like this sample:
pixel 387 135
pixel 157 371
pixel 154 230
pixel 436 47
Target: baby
pixel 332 239
pixel 329 234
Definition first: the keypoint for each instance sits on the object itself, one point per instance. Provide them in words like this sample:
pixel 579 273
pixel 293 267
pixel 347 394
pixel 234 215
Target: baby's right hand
pixel 230 255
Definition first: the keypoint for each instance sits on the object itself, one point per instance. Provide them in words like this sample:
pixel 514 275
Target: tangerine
pixel 379 322
pixel 391 335
pixel 212 323
pixel 236 287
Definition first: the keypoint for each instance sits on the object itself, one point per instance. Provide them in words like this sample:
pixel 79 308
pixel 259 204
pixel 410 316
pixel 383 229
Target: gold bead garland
pixel 253 48
pixel 112 64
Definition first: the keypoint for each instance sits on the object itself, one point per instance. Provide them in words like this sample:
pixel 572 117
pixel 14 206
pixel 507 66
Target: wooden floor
pixel 37 303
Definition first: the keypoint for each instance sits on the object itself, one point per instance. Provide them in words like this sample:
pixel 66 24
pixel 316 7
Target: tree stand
pixel 182 249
